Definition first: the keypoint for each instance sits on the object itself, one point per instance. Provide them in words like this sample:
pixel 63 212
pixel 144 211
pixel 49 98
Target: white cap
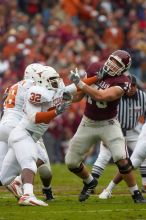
pixel 11 39
pixel 102 18
pixel 26 51
pixel 94 59
pixel 28 41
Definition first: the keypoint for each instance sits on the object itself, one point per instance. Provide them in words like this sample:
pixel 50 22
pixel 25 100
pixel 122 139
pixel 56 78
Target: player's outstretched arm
pixel 108 94
pixel 73 88
pixel 77 93
pixel 46 117
pixel 89 81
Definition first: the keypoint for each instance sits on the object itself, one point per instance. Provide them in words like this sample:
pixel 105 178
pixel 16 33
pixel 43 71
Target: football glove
pixel 67 96
pixel 62 107
pixel 75 78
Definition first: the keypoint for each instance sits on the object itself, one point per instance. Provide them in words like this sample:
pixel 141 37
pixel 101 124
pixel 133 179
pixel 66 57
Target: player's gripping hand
pixel 67 96
pixel 62 107
pixel 75 78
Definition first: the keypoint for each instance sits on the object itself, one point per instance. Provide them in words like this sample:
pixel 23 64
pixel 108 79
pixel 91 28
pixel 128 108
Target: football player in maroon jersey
pixel 100 122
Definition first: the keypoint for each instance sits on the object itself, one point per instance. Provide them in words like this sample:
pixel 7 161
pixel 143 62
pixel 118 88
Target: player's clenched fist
pixel 62 107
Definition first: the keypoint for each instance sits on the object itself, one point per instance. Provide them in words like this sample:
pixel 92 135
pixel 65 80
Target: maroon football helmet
pixel 117 63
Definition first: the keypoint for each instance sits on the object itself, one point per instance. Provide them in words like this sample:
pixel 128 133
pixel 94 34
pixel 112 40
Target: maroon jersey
pixel 103 110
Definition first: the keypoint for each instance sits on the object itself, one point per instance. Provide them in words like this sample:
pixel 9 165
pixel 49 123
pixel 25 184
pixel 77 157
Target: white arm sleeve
pixel 71 88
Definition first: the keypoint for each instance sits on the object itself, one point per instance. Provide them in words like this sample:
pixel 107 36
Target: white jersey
pixel 38 99
pixel 13 105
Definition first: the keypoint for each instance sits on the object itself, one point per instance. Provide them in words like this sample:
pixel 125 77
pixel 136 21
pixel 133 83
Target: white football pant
pixel 23 154
pixel 4 134
pixel 139 153
pixel 88 133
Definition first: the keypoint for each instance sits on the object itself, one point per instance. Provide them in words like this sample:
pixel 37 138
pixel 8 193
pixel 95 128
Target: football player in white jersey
pixel 22 154
pixel 13 112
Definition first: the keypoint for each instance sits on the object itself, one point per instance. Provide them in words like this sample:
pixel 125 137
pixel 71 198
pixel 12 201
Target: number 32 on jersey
pixel 35 97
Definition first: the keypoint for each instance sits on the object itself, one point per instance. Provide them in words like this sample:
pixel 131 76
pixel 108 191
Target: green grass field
pixel 66 188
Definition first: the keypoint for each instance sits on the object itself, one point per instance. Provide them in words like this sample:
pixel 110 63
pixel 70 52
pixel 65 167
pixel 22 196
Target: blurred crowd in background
pixel 66 34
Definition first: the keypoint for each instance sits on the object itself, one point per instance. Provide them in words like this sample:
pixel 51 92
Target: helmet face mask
pixel 56 82
pixel 117 63
pixel 113 66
